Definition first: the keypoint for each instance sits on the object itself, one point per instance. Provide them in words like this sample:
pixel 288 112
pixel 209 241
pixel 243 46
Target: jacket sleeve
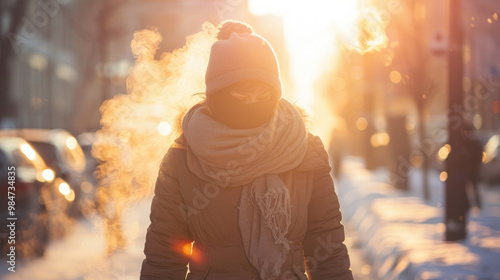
pixel 168 238
pixel 325 254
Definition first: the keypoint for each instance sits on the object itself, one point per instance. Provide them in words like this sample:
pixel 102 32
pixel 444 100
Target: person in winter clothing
pixel 245 192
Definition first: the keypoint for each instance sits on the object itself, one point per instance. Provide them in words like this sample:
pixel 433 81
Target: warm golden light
pixel 64 188
pixel 316 34
pixel 28 151
pixel 491 149
pixel 395 77
pixel 444 152
pixel 48 175
pixel 70 196
pixel 164 128
pixel 384 138
pixel 124 136
pixel 361 124
pixel 187 249
pixel 380 139
pixel 443 176
pixel 71 143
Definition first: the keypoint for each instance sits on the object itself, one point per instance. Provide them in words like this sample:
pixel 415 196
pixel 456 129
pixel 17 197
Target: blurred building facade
pixel 43 65
pixel 482 67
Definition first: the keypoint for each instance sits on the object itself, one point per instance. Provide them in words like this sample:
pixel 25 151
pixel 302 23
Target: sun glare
pixel 311 31
pixel 316 35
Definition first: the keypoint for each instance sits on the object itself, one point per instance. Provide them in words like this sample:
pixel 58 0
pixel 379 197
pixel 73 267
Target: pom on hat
pixel 229 26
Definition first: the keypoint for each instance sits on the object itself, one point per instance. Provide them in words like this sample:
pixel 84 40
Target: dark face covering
pixel 233 113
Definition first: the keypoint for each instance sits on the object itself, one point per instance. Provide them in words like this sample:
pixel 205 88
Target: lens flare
pixel 187 249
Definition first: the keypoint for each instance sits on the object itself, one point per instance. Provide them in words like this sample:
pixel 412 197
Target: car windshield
pixel 21 154
pixel 20 160
pixel 47 151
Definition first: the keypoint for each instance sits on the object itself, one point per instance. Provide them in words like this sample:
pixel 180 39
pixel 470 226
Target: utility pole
pixel 456 202
pixel 103 49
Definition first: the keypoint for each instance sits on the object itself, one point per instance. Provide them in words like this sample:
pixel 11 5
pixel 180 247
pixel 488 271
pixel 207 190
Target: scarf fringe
pixel 276 209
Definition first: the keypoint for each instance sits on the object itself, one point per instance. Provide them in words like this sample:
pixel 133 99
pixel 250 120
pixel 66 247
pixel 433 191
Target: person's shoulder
pixel 175 154
pixel 316 157
pixel 179 143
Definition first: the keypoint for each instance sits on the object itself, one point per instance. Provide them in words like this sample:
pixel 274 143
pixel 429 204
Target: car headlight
pixel 48 175
pixel 66 190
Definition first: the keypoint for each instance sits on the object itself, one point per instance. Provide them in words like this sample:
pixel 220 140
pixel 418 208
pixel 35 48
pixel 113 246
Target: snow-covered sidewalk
pixel 403 236
pixel 81 254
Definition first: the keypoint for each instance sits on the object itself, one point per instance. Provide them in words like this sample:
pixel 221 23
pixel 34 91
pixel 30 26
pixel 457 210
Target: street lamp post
pixel 455 192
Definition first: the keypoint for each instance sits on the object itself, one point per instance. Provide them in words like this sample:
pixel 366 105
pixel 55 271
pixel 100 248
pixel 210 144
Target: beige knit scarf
pixel 252 158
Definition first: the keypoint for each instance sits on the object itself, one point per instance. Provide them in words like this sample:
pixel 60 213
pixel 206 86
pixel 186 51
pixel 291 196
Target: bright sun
pixel 311 32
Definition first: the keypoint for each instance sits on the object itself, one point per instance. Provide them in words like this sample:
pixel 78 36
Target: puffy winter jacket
pixel 187 209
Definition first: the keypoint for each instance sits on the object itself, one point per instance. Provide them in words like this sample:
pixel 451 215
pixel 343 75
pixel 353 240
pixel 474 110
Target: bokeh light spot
pixel 64 188
pixel 164 128
pixel 361 124
pixel 71 143
pixel 443 176
pixel 395 77
pixel 48 175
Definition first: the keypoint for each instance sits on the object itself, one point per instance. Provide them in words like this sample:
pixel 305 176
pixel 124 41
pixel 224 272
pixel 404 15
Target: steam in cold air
pixel 138 127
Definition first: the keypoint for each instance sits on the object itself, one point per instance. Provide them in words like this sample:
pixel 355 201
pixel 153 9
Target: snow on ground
pixel 403 236
pixel 81 254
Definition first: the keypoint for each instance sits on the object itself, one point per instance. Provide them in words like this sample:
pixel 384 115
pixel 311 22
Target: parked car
pixel 62 152
pixel 86 141
pixel 490 170
pixel 33 191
